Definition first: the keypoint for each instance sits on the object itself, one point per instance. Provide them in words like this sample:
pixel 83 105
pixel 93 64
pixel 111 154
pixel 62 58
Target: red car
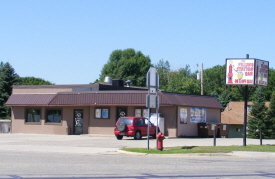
pixel 133 126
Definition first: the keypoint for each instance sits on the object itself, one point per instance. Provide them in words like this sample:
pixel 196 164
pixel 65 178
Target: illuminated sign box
pixel 251 72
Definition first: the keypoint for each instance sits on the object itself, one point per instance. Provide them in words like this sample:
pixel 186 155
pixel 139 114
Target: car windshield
pixel 127 121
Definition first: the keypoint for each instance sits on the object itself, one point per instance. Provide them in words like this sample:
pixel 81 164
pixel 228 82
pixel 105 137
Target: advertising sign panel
pixel 251 72
pixel 198 115
pixel 261 74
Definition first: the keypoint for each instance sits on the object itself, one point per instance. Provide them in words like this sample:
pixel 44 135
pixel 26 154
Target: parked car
pixel 135 127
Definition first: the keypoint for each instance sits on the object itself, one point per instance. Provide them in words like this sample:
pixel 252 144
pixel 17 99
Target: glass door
pixel 78 121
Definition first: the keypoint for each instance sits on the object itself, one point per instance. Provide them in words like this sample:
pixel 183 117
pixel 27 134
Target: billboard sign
pixel 251 72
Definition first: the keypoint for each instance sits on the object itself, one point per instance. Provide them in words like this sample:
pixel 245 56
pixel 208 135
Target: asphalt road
pixel 87 156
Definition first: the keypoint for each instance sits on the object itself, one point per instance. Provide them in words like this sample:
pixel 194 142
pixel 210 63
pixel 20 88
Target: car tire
pixel 119 137
pixel 121 126
pixel 137 135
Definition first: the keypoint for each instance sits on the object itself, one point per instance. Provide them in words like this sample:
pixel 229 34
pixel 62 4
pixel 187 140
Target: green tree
pixel 271 84
pixel 8 78
pixel 163 69
pixel 214 79
pixel 33 81
pixel 225 97
pixel 257 118
pixel 271 114
pixel 127 65
pixel 180 84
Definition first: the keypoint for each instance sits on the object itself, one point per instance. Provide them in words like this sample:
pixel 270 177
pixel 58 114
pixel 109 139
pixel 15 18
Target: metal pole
pixel 261 137
pixel 148 111
pixel 202 79
pixel 214 134
pixel 245 110
pixel 157 111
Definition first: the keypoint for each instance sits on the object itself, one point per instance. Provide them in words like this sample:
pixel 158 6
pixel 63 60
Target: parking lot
pixel 104 143
pixel 98 156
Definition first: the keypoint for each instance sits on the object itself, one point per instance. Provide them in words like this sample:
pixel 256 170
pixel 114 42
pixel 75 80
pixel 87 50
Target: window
pixel 138 112
pixel 53 116
pixel 102 113
pixel 238 129
pixel 140 121
pixel 33 115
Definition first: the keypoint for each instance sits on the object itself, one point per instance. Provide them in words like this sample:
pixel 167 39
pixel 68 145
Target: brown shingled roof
pixel 192 100
pixel 234 113
pixel 30 99
pixel 134 98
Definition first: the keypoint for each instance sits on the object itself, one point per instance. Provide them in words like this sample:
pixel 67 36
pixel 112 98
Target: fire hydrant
pixel 160 139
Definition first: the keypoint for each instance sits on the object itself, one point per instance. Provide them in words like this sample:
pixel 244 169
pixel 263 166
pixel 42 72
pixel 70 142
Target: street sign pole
pixel 148 111
pixel 157 111
pixel 152 84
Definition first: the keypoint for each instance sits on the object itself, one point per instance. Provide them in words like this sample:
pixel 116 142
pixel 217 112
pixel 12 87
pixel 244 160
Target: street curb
pixel 177 155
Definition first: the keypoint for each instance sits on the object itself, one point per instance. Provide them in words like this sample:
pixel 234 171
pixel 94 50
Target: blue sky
pixel 68 42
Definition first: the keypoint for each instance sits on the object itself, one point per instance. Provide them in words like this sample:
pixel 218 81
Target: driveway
pixel 103 143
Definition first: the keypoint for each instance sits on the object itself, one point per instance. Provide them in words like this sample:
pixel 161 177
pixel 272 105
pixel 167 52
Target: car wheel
pixel 119 137
pixel 121 126
pixel 137 135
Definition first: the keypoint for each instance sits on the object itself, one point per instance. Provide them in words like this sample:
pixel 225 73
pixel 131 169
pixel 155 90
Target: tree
pixel 163 68
pixel 257 118
pixel 33 81
pixel 225 97
pixel 180 84
pixel 271 114
pixel 127 65
pixel 8 78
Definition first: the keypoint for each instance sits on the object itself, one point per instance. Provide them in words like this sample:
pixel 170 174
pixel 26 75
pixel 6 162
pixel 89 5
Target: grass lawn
pixel 204 149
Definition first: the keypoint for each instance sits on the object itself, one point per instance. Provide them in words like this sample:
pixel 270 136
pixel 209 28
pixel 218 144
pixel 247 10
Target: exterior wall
pixel 191 129
pixel 20 126
pixel 102 126
pixel 65 127
pixel 170 118
pixel 235 131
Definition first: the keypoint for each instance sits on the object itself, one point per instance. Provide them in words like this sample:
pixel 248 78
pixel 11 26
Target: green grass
pixel 203 149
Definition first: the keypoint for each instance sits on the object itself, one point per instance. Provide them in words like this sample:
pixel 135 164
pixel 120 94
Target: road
pixel 54 156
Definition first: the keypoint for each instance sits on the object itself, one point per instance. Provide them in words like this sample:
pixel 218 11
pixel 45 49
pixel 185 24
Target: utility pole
pixel 202 79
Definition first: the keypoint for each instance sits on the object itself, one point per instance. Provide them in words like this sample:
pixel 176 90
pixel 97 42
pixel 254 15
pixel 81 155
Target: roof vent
pixel 128 82
pixel 108 80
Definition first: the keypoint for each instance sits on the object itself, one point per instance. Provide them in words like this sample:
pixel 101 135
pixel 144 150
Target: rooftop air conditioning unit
pixel 108 80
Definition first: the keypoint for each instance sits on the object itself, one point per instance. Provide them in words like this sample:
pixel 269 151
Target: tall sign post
pixel 246 72
pixel 152 83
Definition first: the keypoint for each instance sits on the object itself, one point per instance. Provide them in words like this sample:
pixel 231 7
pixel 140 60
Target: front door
pixel 121 112
pixel 78 121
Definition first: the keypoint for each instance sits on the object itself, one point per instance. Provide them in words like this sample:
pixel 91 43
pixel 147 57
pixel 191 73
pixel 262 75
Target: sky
pixel 69 41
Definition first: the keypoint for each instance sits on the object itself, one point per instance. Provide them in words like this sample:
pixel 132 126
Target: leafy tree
pixel 180 84
pixel 271 114
pixel 257 118
pixel 271 84
pixel 33 81
pixel 127 65
pixel 225 97
pixel 163 68
pixel 214 79
pixel 8 78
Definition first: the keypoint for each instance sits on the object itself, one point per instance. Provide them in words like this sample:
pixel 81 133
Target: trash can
pixel 202 130
pixel 223 130
pixel 211 127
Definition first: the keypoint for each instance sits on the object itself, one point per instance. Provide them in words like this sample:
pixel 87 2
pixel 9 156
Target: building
pixel 95 108
pixel 234 116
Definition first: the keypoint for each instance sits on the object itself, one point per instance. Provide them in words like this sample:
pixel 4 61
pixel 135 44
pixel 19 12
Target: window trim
pixel 53 123
pixel 101 110
pixel 26 116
